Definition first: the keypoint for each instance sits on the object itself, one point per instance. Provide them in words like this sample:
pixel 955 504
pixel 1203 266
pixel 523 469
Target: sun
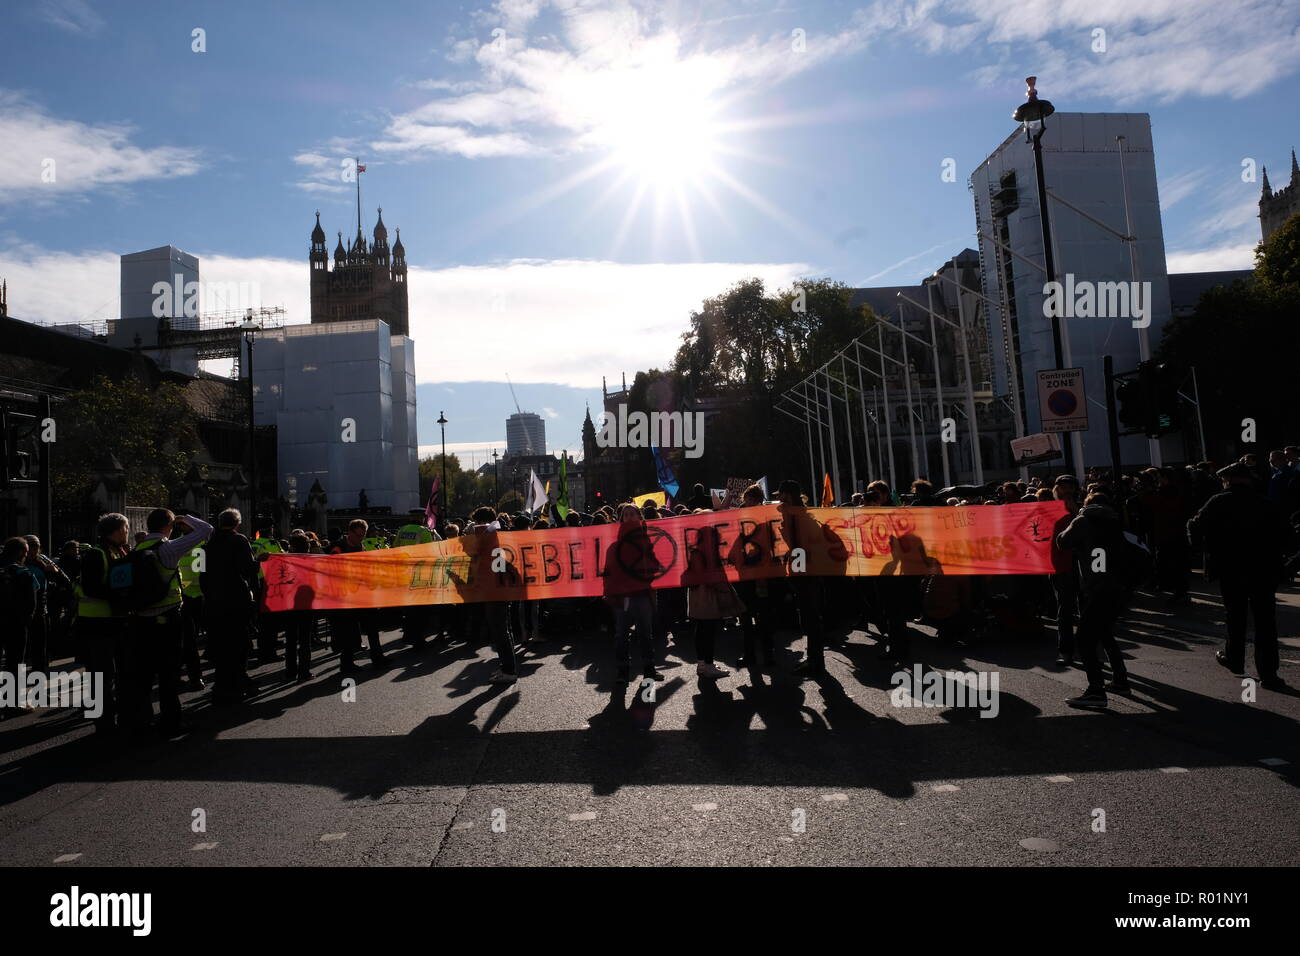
pixel 660 127
pixel 666 141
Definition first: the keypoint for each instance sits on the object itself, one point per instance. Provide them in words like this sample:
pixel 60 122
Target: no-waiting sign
pixel 1062 406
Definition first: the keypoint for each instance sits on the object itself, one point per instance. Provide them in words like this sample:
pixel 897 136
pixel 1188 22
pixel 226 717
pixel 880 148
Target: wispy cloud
pixel 74 16
pixel 1156 51
pixel 1174 189
pixel 1225 230
pixel 950 244
pixel 48 157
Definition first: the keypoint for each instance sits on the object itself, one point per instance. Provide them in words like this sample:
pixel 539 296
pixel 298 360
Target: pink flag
pixel 430 506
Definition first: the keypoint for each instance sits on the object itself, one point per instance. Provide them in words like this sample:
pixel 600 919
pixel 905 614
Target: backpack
pixel 12 601
pixel 138 580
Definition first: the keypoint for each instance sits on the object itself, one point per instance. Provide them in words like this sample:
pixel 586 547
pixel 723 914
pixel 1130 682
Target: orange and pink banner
pixel 771 541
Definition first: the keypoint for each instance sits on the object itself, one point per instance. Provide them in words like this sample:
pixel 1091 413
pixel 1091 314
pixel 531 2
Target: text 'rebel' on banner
pixel 771 541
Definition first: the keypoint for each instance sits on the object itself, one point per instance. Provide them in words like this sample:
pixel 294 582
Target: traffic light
pixel 1131 401
pixel 1159 387
pixel 1148 403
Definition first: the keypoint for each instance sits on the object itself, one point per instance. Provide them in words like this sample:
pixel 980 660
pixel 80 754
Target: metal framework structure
pixel 812 401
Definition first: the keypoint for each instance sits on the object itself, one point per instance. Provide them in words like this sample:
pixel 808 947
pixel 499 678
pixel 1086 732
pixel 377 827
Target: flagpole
pixel 357 170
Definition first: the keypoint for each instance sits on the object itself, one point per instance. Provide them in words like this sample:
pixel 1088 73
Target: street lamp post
pixel 1033 111
pixel 442 509
pixel 250 329
pixel 496 479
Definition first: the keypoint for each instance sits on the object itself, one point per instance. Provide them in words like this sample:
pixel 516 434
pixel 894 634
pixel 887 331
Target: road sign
pixel 1062 406
pixel 1035 448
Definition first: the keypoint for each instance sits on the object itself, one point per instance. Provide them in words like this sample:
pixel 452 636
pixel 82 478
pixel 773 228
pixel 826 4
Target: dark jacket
pixel 1096 526
pixel 229 579
pixel 18 596
pixel 1243 534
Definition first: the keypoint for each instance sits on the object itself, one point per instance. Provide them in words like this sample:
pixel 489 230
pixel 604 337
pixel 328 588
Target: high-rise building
pixel 1277 206
pixel 1082 166
pixel 365 283
pixel 525 434
pixel 155 284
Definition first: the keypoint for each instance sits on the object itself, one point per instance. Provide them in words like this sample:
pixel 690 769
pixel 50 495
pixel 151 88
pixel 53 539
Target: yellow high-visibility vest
pixel 88 606
pixel 173 596
pixel 190 586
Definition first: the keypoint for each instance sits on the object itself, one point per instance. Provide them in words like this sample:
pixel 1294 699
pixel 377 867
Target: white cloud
pixel 1155 51
pixel 582 312
pixel 1218 259
pixel 325 168
pixel 564 93
pixel 47 157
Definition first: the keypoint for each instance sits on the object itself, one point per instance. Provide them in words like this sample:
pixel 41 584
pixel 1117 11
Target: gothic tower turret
pixel 1276 206
pixel 365 283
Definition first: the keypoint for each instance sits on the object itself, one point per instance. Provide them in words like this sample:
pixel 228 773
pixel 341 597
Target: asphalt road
pixel 432 765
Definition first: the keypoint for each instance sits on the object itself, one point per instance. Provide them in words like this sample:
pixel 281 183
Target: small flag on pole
pixel 828 493
pixel 361 167
pixel 562 499
pixel 430 506
pixel 536 496
pixel 664 473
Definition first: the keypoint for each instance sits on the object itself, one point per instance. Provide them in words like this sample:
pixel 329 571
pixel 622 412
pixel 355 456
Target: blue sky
pixel 572 178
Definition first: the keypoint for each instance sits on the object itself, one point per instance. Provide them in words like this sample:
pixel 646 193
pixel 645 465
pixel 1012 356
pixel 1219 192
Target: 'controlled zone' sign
pixel 1062 406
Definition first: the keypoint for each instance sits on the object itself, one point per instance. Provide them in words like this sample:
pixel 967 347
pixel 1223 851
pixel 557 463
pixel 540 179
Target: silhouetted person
pixel 1245 541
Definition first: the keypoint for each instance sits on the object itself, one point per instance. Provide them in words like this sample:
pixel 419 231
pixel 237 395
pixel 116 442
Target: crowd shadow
pixel 837 743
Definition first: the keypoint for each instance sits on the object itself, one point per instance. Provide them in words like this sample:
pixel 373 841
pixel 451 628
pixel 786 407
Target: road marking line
pixel 835 797
pixel 1173 770
pixel 67 858
pixel 330 837
pixel 1039 845
pixel 704 806
pixel 1060 778
pixel 203 846
pixel 945 788
pixel 587 815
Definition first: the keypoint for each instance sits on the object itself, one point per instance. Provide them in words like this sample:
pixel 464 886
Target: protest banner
pixel 606 560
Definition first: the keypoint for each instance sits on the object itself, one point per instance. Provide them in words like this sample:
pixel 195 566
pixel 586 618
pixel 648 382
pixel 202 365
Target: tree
pixel 1277 261
pixel 151 432
pixel 465 489
pixel 511 501
pixel 745 348
pixel 1231 340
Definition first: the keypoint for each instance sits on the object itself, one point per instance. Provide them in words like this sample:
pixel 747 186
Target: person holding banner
pixel 630 566
pixel 493 613
pixel 895 596
pixel 756 596
pixel 807 595
pixel 710 599
pixel 351 623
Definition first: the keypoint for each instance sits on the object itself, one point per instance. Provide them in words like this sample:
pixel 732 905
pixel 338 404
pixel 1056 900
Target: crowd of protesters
pixel 194 589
